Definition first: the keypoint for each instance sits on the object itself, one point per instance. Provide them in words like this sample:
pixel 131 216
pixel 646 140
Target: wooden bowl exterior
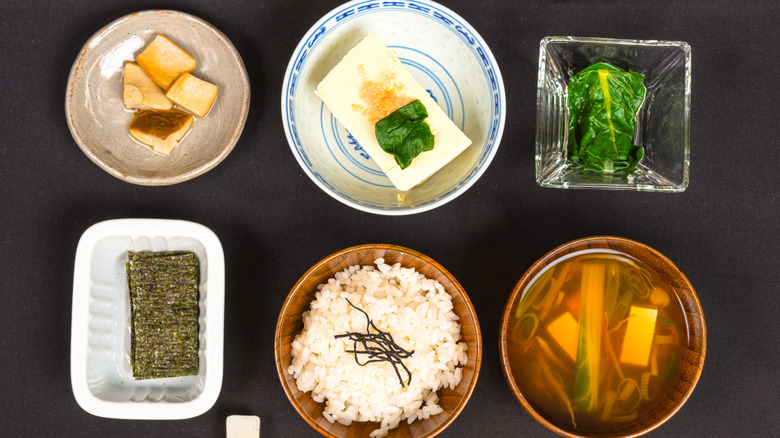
pixel 298 301
pixel 690 365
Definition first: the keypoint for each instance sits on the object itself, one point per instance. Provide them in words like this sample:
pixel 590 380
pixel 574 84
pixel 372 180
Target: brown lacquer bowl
pixel 690 364
pixel 290 324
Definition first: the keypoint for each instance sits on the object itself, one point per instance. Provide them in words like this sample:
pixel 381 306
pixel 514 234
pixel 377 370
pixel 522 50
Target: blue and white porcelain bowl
pixel 443 52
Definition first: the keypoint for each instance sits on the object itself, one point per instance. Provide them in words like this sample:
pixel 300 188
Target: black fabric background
pixel 274 223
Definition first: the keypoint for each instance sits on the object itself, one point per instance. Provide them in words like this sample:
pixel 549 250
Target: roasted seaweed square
pixel 164 310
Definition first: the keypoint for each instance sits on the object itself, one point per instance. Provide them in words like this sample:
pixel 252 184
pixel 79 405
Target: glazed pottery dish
pixel 603 337
pixel 378 340
pixel 101 364
pixel 455 71
pixel 98 120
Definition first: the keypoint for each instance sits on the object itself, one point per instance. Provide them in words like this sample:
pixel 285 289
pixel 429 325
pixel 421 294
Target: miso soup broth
pixel 596 340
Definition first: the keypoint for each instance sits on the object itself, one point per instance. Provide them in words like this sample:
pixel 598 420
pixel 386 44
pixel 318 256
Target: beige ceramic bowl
pixel 99 122
pixel 298 301
pixel 690 365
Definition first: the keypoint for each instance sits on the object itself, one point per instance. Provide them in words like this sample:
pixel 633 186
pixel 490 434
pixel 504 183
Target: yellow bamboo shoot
pixel 141 92
pixel 160 129
pixel 193 94
pixel 164 61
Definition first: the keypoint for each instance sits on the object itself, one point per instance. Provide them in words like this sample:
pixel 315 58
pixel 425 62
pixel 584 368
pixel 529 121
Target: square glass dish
pixel 663 121
pixel 100 371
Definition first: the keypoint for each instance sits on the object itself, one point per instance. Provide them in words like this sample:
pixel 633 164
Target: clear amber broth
pixel 575 374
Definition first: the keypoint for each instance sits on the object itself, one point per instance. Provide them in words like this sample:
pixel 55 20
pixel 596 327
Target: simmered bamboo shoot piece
pixel 160 129
pixel 140 90
pixel 164 61
pixel 193 94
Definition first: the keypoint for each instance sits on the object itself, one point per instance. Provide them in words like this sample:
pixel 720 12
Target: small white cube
pixel 243 426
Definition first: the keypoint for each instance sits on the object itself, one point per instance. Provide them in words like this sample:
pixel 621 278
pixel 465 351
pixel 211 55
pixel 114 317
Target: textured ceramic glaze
pixel 290 324
pixel 690 365
pixel 99 122
pixel 101 374
pixel 449 59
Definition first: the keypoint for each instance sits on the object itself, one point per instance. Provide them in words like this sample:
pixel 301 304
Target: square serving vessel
pixel 663 122
pixel 101 375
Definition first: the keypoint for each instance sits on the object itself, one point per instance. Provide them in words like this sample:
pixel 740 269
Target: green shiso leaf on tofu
pixel 164 299
pixel 603 102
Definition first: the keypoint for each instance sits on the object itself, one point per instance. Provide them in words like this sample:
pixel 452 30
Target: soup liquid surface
pixel 596 341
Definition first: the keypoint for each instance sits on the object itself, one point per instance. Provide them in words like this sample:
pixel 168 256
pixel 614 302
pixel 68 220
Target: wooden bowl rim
pixel 403 250
pixel 593 242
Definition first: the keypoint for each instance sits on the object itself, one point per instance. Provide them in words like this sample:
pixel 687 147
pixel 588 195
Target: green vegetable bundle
pixel 603 102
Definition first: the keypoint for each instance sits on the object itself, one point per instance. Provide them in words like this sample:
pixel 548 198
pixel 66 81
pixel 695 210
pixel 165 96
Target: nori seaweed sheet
pixel 163 313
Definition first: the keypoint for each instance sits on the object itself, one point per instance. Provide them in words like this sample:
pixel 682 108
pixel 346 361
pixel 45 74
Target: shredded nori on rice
pixel 379 346
pixel 163 314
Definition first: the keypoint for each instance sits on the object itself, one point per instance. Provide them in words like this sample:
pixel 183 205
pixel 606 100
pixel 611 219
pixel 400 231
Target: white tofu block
pixel 243 426
pixel 341 91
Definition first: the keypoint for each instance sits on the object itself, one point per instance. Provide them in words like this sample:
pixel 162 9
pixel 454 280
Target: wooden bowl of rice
pixel 290 324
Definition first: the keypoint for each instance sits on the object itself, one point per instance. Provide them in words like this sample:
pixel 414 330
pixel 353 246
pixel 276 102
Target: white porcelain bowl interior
pixel 449 59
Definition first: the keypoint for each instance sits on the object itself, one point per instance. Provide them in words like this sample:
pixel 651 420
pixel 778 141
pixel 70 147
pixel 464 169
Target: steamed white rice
pixel 415 310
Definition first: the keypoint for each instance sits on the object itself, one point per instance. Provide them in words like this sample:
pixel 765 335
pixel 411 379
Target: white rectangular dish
pixel 101 374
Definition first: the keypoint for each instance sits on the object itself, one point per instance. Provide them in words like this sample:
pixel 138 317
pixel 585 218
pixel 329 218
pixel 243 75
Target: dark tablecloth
pixel 274 223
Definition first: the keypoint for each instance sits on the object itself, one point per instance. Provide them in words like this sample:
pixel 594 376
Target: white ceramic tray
pixel 101 375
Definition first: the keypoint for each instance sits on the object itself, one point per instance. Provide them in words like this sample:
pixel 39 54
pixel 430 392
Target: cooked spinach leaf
pixel 404 133
pixel 603 102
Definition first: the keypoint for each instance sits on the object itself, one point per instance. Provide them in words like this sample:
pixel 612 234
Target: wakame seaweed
pixel 404 133
pixel 164 310
pixel 603 102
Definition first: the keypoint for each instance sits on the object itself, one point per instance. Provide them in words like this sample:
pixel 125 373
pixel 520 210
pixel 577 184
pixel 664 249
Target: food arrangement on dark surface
pixel 396 110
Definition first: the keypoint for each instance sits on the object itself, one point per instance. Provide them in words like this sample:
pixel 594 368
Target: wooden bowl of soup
pixel 603 336
pixel 322 328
